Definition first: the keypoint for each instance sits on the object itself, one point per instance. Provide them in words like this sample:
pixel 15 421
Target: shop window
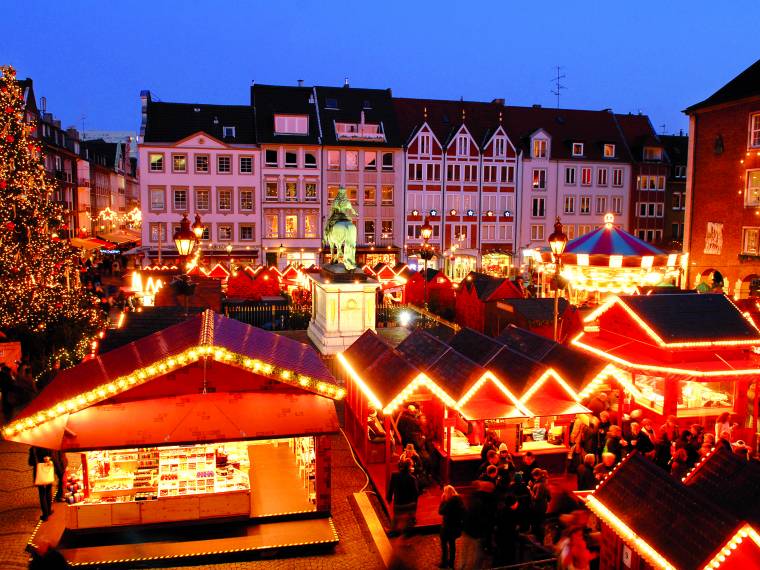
pixel 310 226
pixel 291 226
pixel 272 225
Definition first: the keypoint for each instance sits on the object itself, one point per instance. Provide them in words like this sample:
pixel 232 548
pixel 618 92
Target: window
pixel 386 229
pixel 156 162
pixel 424 144
pixel 206 233
pixel 652 153
pixel 570 231
pixel 370 160
pixel 270 158
pixel 675 230
pixel 499 146
pixel 577 149
pixel 154 231
pixel 333 160
pixel 415 172
pixel 583 229
pixel 332 192
pixel 223 164
pixel 539 179
pixel 386 195
pixel 291 226
pixel 660 210
pixel 754 130
pixel 352 160
pixel 537 232
pixel 679 171
pixel 246 232
pixel 489 174
pixel 369 231
pixel 202 200
pixel 537 210
pixel 272 192
pixel 677 200
pixel 369 195
pixel 470 173
pixel 570 175
pixel 452 172
pixel 157 199
pixel 586 176
pixel 609 151
pixel 179 163
pixel 272 226
pixel 601 177
pixel 539 149
pixel 224 202
pixel 585 205
pixel 617 177
pixel 291 124
pixel 433 172
pixel 310 225
pixel 508 174
pixel 352 193
pixel 463 145
pixel 601 204
pixel 387 162
pixel 201 163
pixel 246 200
pixel 309 160
pixel 228 132
pixel 617 205
pixel 310 192
pixel 246 165
pixel 225 232
pixel 180 200
pixel 331 103
pixel 569 204
pixel 661 183
pixel 291 159
pixel 751 241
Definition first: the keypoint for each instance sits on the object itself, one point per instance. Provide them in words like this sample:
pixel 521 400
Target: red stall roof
pixel 188 419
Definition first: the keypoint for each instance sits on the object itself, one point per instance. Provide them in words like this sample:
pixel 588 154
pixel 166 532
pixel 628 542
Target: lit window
pixel 156 162
pixel 537 232
pixel 291 226
pixel 569 204
pixel 246 165
pixel 246 200
pixel 617 177
pixel 577 149
pixel 386 229
pixel 387 195
pixel 291 192
pixel 352 193
pixel 369 195
pixel 157 199
pixel 751 241
pixel 273 226
pixel 652 153
pixel 585 205
pixel 609 151
pixel 272 192
pixel 586 176
pixel 201 163
pixel 154 231
pixel 202 200
pixel 369 231
pixel 310 226
pixel 310 192
pixel 180 200
pixel 332 192
pixel 752 196
pixel 225 200
pixel 539 148
pixel 539 179
pixel 179 163
pixel 754 130
pixel 225 232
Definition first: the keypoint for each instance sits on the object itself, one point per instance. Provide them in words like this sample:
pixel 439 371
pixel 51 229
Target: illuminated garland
pixel 38 270
pixel 164 366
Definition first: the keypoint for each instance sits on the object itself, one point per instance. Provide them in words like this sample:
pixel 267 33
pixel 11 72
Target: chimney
pixel 498 101
pixel 43 103
pixel 680 132
pixel 300 82
pixel 536 106
pixel 345 83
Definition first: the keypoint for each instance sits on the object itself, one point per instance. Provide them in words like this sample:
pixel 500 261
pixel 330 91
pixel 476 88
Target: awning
pixel 488 409
pixel 86 243
pixel 189 419
pixel 121 236
pixel 550 406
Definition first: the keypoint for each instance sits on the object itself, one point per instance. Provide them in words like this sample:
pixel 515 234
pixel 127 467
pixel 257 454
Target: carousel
pixel 609 261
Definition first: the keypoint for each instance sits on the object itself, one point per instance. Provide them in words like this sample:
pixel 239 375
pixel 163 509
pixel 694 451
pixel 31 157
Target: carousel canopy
pixel 610 240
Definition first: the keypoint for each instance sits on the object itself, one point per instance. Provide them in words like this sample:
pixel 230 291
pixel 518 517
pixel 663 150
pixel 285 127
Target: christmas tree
pixel 41 301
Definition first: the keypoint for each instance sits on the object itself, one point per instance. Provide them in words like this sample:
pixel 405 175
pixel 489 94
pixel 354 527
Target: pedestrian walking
pixel 43 477
pixel 403 492
pixel 452 511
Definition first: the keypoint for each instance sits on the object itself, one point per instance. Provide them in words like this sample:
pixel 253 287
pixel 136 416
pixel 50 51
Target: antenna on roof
pixel 662 126
pixel 345 82
pixel 83 117
pixel 558 87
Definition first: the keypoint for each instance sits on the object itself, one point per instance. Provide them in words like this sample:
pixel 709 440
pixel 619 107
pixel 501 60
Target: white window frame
pixel 754 130
pixel 609 151
pixel 537 232
pixel 570 176
pixel 538 207
pixel 291 124
pixel 541 179
pixel 601 204
pixel 220 158
pixel 569 205
pixel 228 132
pixel 746 231
pixel 499 146
pixel 748 200
pixel 602 176
pixel 463 145
pixel 425 143
pixel 241 193
pixel 617 177
pixel 585 201
pixel 590 171
pixel 159 166
pixel 577 149
pixel 617 205
pixel 540 148
pixel 240 164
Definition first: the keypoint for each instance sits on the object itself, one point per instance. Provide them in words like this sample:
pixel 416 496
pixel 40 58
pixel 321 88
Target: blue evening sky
pixel 92 58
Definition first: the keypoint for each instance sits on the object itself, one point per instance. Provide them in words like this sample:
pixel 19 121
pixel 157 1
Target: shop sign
pixel 714 238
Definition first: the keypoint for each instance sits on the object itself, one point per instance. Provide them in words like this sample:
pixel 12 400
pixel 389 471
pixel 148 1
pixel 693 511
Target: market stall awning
pixel 188 419
pixel 610 240
pixel 120 237
pixel 86 243
pixel 490 409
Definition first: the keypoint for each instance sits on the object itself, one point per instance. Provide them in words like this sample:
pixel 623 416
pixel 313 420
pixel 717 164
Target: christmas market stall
pixel 477 296
pixel 693 356
pixel 210 420
pixel 651 520
pixel 609 260
pixel 439 292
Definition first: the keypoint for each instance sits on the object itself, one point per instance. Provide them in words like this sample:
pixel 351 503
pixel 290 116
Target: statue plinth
pixel 342 308
pixel 338 273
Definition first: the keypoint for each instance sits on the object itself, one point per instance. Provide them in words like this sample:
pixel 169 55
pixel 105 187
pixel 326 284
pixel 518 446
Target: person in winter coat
pixel 452 513
pixel 585 475
pixel 541 496
pixel 403 492
pixel 42 455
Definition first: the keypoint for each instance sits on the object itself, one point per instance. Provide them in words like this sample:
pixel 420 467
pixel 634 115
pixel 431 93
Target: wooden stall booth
pixel 693 356
pixel 210 420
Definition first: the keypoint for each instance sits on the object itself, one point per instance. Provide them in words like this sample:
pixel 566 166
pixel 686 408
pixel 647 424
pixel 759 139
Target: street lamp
pixel 184 238
pixel 426 232
pixel 198 227
pixel 557 242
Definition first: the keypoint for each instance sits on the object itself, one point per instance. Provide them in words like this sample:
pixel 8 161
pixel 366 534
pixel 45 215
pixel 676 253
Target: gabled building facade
pixel 677 151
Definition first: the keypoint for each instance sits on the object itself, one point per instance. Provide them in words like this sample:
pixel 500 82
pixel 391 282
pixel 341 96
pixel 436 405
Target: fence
pixel 270 317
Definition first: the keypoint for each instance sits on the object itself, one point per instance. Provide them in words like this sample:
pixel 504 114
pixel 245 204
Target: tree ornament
pixel 10 226
pixel 3 184
pixel 10 138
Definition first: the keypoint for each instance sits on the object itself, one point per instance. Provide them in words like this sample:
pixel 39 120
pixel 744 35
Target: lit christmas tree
pixel 41 301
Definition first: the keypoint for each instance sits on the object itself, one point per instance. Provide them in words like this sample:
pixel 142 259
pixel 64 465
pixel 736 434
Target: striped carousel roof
pixel 609 240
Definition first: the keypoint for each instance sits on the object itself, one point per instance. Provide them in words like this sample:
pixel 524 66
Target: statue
pixel 340 231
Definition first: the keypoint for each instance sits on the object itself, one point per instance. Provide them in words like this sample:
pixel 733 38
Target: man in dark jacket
pixel 60 463
pixel 40 455
pixel 403 492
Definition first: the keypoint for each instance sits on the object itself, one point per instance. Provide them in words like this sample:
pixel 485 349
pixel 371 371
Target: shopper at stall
pixel 615 443
pixel 492 458
pixel 60 463
pixel 585 477
pixel 722 423
pixel 410 454
pixel 601 470
pixel 491 442
pixel 409 426
pixel 43 477
pixel 506 463
pixel 403 492
pixel 452 511
pixel 601 432
pixel 541 496
pixel 527 462
pixel 639 440
pixel 505 531
pixel 679 467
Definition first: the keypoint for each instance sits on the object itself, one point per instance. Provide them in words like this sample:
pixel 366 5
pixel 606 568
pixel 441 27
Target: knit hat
pixel 503 447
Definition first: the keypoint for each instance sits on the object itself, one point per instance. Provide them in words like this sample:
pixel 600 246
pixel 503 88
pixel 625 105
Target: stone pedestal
pixel 341 310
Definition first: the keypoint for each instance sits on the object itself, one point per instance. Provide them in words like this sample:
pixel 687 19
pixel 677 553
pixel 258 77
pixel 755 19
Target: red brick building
pixel 722 222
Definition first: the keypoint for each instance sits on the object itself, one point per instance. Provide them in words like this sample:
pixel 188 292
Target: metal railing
pixel 272 317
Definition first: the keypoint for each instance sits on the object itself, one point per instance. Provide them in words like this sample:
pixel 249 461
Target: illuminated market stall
pixel 689 355
pixel 209 420
pixel 609 260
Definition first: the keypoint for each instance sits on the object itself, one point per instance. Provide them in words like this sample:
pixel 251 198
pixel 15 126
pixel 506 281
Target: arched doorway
pixel 749 286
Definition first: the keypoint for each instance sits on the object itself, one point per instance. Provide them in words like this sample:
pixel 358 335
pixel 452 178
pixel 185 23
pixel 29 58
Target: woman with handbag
pixel 43 477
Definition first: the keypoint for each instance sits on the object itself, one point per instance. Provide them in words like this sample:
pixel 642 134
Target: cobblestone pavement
pixel 19 513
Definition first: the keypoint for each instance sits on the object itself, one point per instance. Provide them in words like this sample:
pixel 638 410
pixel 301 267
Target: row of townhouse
pixel 490 178
pixel 89 175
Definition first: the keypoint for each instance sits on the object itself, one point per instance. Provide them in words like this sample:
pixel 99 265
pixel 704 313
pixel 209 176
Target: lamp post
pixel 426 232
pixel 184 238
pixel 229 255
pixel 557 241
pixel 198 228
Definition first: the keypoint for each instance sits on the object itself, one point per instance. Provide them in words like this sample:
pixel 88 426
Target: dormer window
pixel 463 145
pixel 539 148
pixel 291 124
pixel 366 105
pixel 609 151
pixel 577 149
pixel 331 103
pixel 228 132
pixel 652 153
pixel 499 146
